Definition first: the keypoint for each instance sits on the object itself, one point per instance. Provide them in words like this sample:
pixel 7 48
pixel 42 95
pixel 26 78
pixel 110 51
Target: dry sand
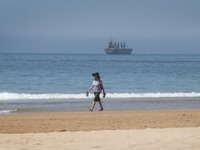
pixel 146 139
pixel 149 129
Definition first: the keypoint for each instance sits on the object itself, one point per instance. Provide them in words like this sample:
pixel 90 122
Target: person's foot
pixel 101 109
pixel 90 110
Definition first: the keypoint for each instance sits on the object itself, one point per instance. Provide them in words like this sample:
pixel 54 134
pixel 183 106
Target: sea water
pixel 58 82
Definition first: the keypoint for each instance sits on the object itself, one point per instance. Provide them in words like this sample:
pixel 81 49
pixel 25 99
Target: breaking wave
pixel 28 96
pixel 8 111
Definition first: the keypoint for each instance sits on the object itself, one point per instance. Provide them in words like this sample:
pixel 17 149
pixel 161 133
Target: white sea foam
pixel 7 111
pixel 153 95
pixel 27 96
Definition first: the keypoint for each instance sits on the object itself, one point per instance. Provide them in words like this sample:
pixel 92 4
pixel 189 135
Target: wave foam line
pixel 8 111
pixel 154 95
pixel 27 96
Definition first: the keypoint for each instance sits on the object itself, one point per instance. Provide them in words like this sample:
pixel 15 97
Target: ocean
pixel 58 82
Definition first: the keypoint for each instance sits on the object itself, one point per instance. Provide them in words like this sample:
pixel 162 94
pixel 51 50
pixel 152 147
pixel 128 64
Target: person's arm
pixel 91 87
pixel 102 87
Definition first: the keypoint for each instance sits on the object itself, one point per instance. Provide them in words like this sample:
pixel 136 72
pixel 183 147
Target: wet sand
pixel 97 121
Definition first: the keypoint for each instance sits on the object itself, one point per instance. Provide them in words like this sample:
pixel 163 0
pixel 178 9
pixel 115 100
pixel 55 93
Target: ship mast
pixel 123 46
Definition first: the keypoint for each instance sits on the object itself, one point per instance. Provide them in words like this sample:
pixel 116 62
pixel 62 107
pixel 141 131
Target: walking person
pixel 97 86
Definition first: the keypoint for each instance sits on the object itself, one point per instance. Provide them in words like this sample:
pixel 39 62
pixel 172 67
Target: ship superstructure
pixel 113 48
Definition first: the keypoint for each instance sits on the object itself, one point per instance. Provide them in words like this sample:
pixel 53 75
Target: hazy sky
pixel 84 26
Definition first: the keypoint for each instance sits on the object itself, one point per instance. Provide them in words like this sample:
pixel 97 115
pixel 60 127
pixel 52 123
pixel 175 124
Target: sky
pixel 85 26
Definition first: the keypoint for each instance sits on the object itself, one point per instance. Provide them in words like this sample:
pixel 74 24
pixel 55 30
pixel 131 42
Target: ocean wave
pixel 8 111
pixel 27 96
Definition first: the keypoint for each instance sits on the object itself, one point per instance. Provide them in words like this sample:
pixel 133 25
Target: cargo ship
pixel 113 48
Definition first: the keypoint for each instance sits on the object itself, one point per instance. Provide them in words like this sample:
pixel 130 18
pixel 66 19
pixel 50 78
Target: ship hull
pixel 127 51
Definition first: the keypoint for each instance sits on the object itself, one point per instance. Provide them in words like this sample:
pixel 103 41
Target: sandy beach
pixel 136 129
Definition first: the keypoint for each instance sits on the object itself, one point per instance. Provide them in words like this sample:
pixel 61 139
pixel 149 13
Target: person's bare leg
pixel 92 107
pixel 100 103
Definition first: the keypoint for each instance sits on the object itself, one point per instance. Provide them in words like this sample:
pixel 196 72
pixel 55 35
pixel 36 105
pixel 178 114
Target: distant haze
pixel 84 26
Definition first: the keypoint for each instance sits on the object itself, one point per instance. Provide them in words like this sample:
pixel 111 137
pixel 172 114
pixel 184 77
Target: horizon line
pixel 98 53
